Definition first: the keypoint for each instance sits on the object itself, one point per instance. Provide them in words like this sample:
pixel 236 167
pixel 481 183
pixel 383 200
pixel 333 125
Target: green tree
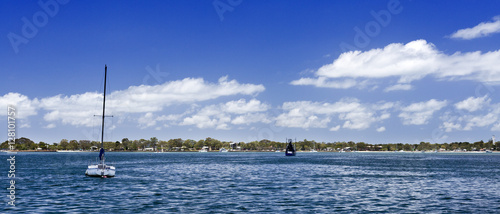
pixel 85 144
pixel 5 145
pixel 118 146
pixel 189 143
pixel 63 144
pixel 135 145
pixel 73 145
pixel 126 143
pixel 154 142
pixel 53 147
pixel 361 146
pixel 42 145
pixel 109 145
pixel 198 145
pixel 25 144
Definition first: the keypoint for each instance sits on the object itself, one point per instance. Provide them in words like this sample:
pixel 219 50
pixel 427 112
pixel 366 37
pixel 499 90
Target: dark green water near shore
pixel 257 182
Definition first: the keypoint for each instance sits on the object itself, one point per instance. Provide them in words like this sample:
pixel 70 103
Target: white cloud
pixel 399 87
pixel 472 104
pixel 449 126
pixel 358 119
pixel 307 114
pixel 323 82
pixel 466 122
pixel 251 118
pixel 381 129
pixel 233 112
pixel 170 117
pixel 407 62
pixel 147 120
pixel 50 126
pixel 420 113
pixel 78 110
pixel 25 124
pixel 145 98
pixel 242 107
pixel 480 121
pixel 24 107
pixel 481 30
pixel 496 127
pixel 335 128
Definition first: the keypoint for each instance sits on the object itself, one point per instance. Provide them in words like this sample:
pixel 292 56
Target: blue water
pixel 258 182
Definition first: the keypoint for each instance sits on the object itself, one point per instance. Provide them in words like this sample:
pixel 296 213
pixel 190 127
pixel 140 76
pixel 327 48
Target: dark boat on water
pixel 290 149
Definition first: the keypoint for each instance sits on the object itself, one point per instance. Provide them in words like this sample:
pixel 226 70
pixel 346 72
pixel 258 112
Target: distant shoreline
pixel 70 151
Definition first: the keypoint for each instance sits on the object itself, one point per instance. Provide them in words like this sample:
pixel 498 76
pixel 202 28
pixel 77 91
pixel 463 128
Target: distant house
pixel 234 146
pixel 149 149
pixel 93 148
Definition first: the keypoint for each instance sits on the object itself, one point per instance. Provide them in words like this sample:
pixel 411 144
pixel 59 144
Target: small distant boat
pixel 204 149
pixel 160 151
pixel 290 149
pixel 314 149
pixel 101 169
pixel 223 150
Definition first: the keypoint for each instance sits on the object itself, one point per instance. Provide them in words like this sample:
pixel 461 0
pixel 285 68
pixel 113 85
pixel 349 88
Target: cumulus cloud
pixel 479 113
pixel 381 129
pixel 353 114
pixel 407 62
pixel 420 113
pixel 472 104
pixel 50 126
pixel 324 82
pixel 335 128
pixel 481 30
pixel 399 87
pixel 468 122
pixel 236 112
pixel 24 106
pixel 147 120
pixel 78 109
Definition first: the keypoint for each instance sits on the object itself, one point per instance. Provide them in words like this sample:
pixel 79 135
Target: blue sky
pixel 372 71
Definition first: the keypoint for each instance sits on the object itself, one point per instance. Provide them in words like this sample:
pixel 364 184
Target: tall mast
pixel 104 106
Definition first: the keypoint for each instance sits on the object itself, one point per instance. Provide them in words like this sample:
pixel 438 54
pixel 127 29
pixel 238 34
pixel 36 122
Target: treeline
pixel 262 145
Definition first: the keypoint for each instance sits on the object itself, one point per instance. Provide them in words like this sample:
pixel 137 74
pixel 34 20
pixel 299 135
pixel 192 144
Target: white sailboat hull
pixel 97 170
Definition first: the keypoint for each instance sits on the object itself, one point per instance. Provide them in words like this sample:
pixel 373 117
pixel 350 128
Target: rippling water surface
pixel 258 182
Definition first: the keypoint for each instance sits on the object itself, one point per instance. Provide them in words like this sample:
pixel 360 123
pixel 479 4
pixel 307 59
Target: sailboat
pixel 101 169
pixel 290 149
